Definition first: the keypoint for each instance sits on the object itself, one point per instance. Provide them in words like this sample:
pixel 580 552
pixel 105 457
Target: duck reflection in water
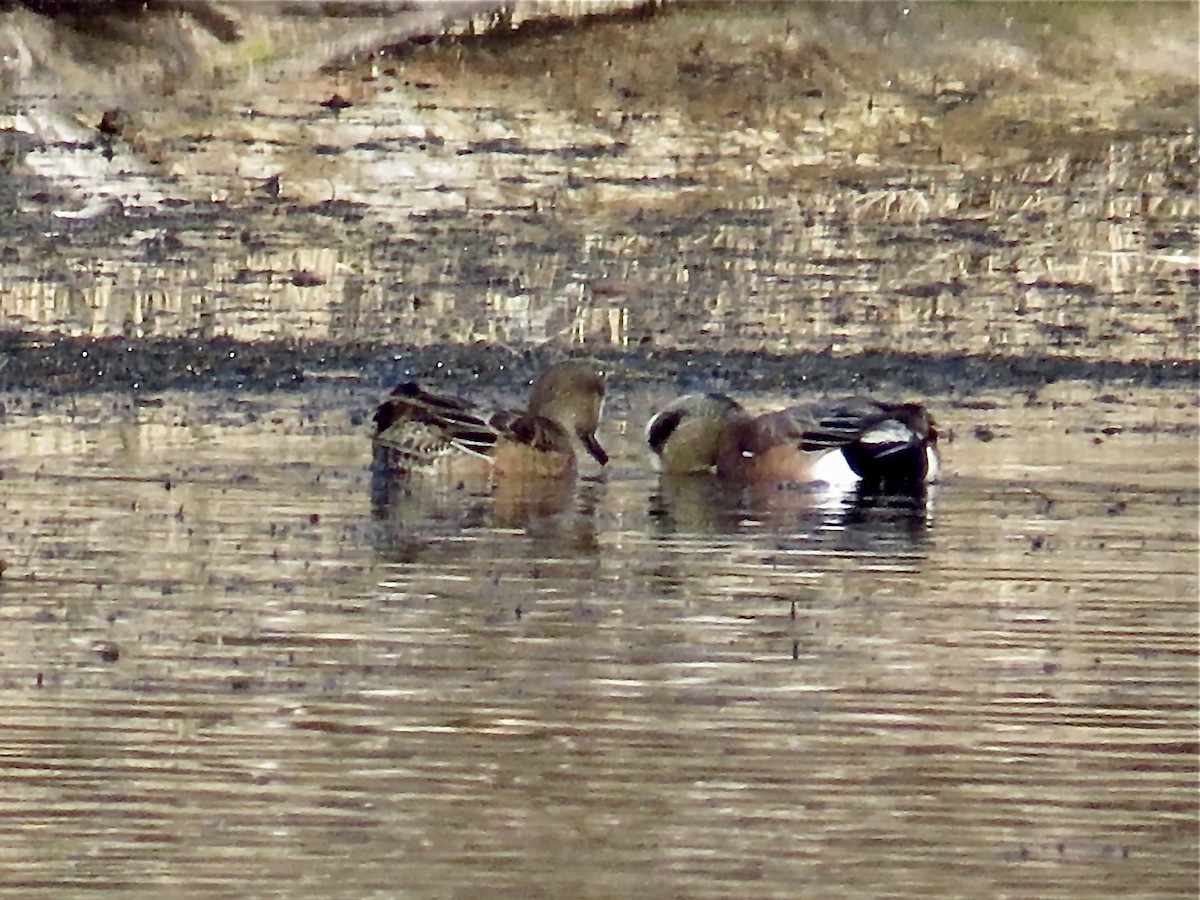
pixel 854 460
pixel 519 464
pixel 437 524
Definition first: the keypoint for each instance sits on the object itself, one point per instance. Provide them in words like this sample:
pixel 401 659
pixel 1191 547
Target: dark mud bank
pixel 62 364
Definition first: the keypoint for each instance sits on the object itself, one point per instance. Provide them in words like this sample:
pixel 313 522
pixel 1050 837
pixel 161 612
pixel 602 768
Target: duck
pixel 877 445
pixel 418 431
pixel 685 436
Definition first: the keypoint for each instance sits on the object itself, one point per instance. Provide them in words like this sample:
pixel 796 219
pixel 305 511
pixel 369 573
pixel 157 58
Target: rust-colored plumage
pixel 888 446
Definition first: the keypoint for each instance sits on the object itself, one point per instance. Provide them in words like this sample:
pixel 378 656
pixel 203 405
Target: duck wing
pixel 537 432
pixel 418 426
pixel 882 442
pixel 873 422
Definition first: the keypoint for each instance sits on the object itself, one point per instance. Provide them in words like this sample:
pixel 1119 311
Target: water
pixel 230 666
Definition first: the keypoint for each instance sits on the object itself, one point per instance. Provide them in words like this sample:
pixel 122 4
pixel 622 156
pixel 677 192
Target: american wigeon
pixel 889 446
pixel 417 430
pixel 687 433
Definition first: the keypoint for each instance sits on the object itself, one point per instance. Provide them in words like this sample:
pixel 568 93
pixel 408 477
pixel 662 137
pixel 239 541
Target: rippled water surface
pixel 232 665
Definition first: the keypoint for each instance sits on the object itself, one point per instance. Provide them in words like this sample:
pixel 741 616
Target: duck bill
pixel 592 446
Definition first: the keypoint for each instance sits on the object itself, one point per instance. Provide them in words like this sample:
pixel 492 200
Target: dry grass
pixel 971 81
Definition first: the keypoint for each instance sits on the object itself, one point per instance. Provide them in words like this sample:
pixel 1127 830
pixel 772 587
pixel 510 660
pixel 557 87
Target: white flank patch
pixel 832 469
pixel 933 465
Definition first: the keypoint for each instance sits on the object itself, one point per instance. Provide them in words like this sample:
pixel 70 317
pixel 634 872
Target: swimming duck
pixel 886 446
pixel 417 430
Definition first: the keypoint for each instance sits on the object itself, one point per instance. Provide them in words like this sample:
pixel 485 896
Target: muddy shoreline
pixel 60 364
pixel 787 197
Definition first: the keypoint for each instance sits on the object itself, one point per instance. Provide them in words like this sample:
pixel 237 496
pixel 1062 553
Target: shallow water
pixel 231 665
